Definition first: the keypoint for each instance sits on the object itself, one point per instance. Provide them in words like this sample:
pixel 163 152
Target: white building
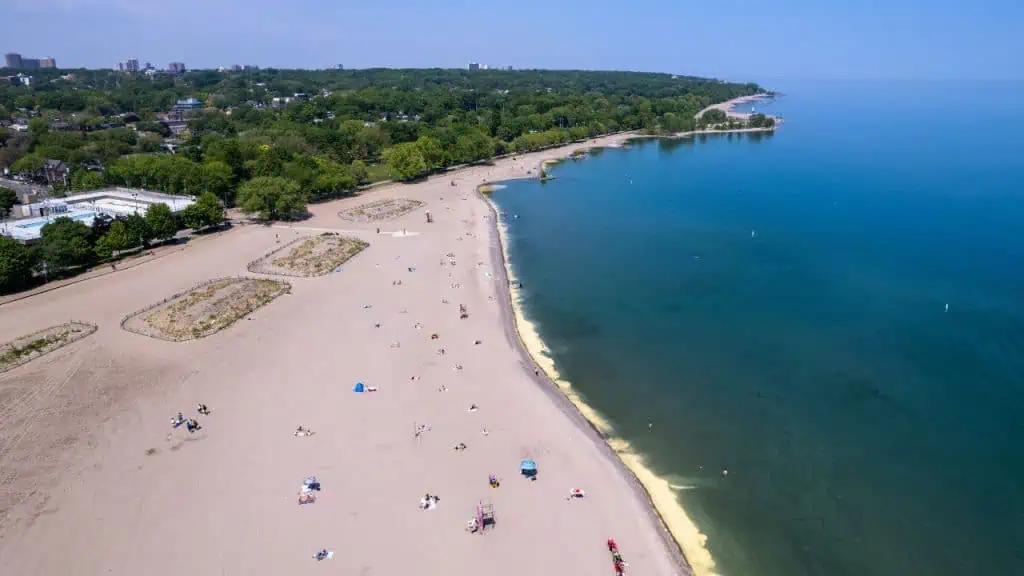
pixel 112 202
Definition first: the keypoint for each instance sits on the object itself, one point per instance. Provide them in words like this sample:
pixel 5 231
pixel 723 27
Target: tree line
pixel 328 131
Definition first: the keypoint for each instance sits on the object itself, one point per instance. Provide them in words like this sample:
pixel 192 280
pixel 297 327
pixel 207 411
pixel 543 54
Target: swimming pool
pixel 37 223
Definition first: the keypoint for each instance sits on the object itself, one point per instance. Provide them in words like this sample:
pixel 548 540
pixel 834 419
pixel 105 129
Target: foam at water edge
pixel 663 494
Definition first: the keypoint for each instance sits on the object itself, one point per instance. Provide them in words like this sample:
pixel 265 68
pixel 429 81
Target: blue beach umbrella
pixel 528 468
pixel 359 387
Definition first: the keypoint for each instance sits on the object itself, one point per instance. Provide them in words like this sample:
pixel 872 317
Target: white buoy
pixel 947 307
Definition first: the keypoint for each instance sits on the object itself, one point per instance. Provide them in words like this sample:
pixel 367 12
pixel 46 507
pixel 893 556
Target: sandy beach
pixel 95 480
pixel 728 106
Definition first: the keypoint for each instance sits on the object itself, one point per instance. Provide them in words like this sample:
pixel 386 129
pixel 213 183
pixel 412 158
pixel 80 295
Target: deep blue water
pixel 866 430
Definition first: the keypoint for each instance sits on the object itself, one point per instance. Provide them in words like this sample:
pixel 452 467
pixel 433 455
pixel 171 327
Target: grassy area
pixel 378 173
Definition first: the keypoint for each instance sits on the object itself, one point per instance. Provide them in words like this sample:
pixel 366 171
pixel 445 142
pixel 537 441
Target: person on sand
pixel 192 425
pixel 202 409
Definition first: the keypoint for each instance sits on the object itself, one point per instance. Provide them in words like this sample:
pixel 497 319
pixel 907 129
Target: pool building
pixel 112 202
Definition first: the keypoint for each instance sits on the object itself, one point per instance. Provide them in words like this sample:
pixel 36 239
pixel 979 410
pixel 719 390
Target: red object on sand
pixel 612 546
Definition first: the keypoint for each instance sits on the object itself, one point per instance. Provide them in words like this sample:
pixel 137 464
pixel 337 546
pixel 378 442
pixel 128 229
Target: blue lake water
pixel 776 306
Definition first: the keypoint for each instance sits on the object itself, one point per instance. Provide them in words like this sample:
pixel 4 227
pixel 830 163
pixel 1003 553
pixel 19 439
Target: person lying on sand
pixel 192 425
pixel 472 408
pixel 323 555
pixel 303 431
pixel 202 409
pixel 460 447
pixel 177 420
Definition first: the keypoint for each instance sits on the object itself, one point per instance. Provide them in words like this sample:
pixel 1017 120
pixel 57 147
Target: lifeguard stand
pixel 485 514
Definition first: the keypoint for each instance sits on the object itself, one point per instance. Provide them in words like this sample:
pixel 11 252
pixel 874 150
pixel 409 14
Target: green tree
pixel 138 229
pixel 219 179
pixel 37 127
pixel 359 171
pixel 116 239
pixel 474 146
pixel 86 180
pixel 272 198
pixel 714 116
pixel 405 160
pixel 8 198
pixel 29 165
pixel 161 221
pixel 64 243
pixel 206 211
pixel 16 263
pixel 432 152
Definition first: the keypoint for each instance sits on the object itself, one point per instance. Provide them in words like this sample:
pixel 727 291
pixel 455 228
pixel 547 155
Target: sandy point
pixel 96 481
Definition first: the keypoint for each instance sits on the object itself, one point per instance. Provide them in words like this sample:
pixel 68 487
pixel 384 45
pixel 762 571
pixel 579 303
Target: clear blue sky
pixel 741 40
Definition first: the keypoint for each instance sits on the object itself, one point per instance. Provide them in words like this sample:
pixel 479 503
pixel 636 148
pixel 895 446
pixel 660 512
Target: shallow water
pixel 776 306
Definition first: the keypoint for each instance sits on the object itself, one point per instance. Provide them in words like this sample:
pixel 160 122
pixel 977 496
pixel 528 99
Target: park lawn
pixel 378 173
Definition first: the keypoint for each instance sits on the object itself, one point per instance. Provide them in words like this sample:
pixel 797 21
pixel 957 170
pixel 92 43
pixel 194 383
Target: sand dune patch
pixel 380 210
pixel 204 310
pixel 307 257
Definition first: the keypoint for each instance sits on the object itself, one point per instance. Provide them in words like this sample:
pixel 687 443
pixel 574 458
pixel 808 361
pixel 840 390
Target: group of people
pixel 191 424
pixel 619 564
pixel 429 501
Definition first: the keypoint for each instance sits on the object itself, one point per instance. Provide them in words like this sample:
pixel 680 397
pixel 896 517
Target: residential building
pixel 148 65
pixel 187 104
pixel 474 66
pixel 56 172
pixel 178 127
pixel 131 66
pixel 176 68
pixel 509 68
pixel 339 67
pixel 47 62
pixel 16 61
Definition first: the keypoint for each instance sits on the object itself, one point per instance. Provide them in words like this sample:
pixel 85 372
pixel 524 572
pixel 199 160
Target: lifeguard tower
pixel 484 514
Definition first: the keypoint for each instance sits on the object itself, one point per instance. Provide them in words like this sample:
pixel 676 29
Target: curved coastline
pixel 682 537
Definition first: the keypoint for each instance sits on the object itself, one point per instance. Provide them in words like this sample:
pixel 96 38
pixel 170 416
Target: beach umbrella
pixel 359 387
pixel 528 468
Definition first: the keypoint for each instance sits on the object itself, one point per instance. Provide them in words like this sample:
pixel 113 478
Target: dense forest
pixel 269 141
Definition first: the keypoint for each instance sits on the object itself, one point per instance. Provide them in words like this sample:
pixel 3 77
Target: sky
pixel 743 40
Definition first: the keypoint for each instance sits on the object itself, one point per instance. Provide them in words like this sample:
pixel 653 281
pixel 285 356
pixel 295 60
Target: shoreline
pixel 570 405
pixel 681 536
pixel 728 105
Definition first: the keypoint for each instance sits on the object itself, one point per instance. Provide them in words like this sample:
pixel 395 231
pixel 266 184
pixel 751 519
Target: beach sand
pixel 94 481
pixel 728 106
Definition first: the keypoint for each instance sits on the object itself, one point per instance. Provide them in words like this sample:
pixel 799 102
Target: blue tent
pixel 359 387
pixel 528 468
